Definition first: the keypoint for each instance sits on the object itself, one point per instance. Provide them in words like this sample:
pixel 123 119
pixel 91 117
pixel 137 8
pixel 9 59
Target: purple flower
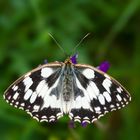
pixel 74 58
pixel 104 66
pixel 84 124
pixel 71 124
pixel 45 61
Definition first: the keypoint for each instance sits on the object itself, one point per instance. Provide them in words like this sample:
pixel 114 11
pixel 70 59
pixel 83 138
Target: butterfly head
pixel 68 61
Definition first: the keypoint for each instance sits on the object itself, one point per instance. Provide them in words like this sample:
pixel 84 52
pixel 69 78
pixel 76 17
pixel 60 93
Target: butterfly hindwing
pixel 37 93
pixel 99 94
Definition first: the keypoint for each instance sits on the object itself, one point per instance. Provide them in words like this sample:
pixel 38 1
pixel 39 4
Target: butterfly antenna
pixel 80 42
pixel 58 44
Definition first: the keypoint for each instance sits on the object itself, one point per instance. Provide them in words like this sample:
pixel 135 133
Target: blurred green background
pixel 24 44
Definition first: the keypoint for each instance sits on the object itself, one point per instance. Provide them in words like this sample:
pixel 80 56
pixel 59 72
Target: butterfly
pixel 81 91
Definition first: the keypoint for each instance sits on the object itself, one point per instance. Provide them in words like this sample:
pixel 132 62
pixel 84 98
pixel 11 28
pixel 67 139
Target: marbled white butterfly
pixel 52 90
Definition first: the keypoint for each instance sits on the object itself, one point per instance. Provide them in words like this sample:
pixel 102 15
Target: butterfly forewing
pixel 99 94
pixel 37 93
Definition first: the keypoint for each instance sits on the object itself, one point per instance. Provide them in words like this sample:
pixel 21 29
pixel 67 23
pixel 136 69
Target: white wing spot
pixel 70 114
pixel 101 99
pixel 100 116
pixel 112 106
pixel 52 101
pixel 17 103
pixel 40 86
pixel 28 94
pixel 122 103
pixel 118 104
pixel 22 104
pixel 9 97
pixel 60 114
pixel 30 113
pixel 35 118
pixel 85 121
pixel 27 82
pixel 107 96
pixel 118 97
pixel 86 118
pixel 43 91
pixel 44 120
pixel 77 117
pixel 91 92
pixel 21 107
pixel 69 117
pixel 15 96
pixel 105 108
pixel 119 89
pixel 106 111
pixel 94 88
pixel 77 120
pixel 33 97
pixel 44 117
pixel 113 109
pixel 78 102
pixel 125 99
pixel 46 72
pixel 88 73
pixel 107 84
pixel 97 109
pixel 81 102
pixel 52 120
pixel 15 88
pixel 95 119
pixel 36 107
pixel 52 117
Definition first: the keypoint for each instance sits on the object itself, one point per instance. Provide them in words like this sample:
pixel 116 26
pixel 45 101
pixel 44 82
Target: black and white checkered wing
pixel 95 94
pixel 37 92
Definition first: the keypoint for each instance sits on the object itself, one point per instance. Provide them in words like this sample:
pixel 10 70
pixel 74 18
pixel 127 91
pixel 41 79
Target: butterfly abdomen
pixel 67 83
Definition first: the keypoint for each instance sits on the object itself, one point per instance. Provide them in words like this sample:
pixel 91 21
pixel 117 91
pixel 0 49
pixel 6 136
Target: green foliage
pixel 24 44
